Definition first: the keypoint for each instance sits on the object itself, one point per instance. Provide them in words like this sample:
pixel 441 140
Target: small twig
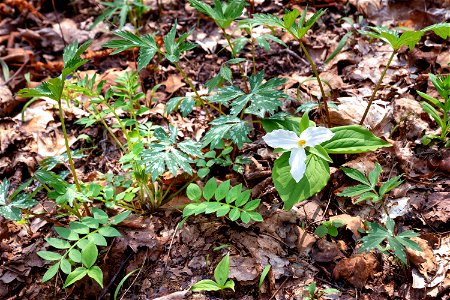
pixel 135 278
pixel 279 288
pixel 59 23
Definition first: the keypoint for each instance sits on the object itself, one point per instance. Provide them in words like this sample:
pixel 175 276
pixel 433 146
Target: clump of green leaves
pixel 80 243
pixel 223 13
pixel 442 85
pixel 120 10
pixel 223 159
pixel 223 200
pixel 314 293
pixel 220 282
pixel 396 243
pixel 11 205
pixel 368 189
pixel 328 227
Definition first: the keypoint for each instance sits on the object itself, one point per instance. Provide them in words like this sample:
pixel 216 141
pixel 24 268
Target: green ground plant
pixel 442 85
pixel 220 282
pixel 396 243
pixel 314 293
pixel 80 244
pixel 223 200
pixel 119 11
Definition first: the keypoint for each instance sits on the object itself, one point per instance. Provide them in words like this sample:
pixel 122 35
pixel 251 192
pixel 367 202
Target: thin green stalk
pixel 69 156
pixel 109 130
pixel 322 91
pixel 233 54
pixel 191 85
pixel 377 87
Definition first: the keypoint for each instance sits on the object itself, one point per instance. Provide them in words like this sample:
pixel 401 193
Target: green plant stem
pixel 233 54
pixel 253 53
pixel 322 91
pixel 191 85
pixel 69 156
pixel 377 87
pixel 109 130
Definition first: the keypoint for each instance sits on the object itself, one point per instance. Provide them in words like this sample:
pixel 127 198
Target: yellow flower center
pixel 301 143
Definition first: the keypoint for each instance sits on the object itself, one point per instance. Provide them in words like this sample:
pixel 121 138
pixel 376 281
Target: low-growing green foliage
pixel 80 243
pixel 11 205
pixel 328 227
pixel 396 243
pixel 368 189
pixel 119 11
pixel 223 200
pixel 314 293
pixel 220 282
pixel 442 85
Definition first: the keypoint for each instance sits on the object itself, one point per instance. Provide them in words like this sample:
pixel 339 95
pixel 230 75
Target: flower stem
pixel 322 91
pixel 377 87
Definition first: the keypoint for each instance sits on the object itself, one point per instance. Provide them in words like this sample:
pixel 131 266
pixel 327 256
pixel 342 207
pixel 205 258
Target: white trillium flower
pixel 289 140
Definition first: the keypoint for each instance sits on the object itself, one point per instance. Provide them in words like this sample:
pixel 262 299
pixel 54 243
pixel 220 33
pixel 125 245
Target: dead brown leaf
pixel 351 223
pixel 357 269
pixel 424 260
pixel 173 83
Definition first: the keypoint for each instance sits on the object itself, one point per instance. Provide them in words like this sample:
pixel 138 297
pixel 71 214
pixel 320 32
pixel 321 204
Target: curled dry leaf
pixel 173 83
pixel 351 223
pixel 424 260
pixel 357 269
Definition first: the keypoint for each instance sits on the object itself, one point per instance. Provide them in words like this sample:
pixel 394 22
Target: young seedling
pixel 442 85
pixel 123 9
pixel 328 227
pixel 396 243
pixel 368 189
pixel 222 200
pixel 220 282
pixel 313 293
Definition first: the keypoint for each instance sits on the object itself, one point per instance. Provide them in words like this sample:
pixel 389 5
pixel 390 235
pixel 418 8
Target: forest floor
pixel 171 258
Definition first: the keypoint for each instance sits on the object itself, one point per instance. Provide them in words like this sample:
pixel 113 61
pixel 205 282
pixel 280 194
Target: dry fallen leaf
pixel 357 269
pixel 424 260
pixel 351 223
pixel 173 83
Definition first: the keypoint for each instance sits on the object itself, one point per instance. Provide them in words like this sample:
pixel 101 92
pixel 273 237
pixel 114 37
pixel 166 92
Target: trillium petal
pixel 282 139
pixel 297 161
pixel 316 135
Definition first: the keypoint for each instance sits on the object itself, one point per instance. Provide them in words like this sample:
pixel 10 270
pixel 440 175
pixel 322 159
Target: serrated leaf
pixel 356 175
pixel 374 175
